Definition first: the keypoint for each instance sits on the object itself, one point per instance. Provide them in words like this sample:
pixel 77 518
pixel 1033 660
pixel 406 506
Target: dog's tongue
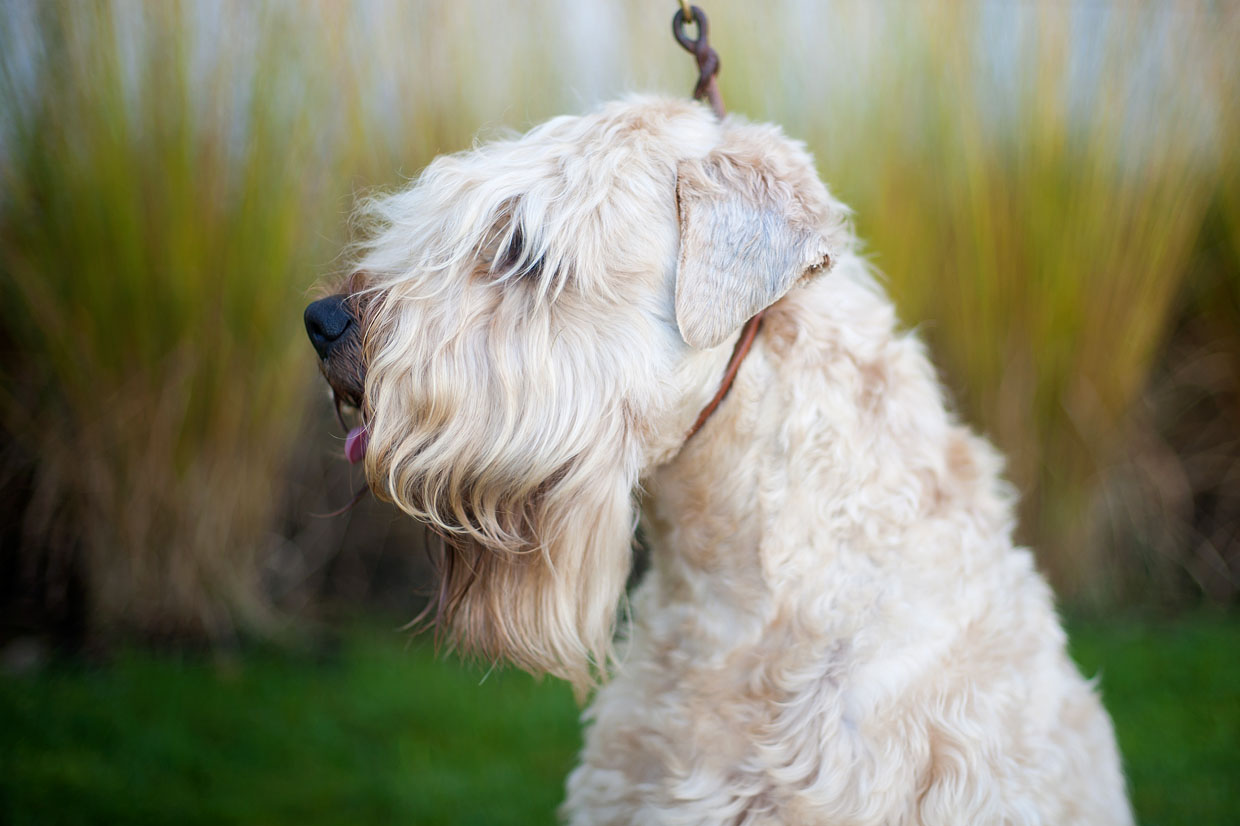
pixel 355 444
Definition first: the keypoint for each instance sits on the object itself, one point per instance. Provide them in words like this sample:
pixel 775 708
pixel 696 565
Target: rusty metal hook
pixel 707 58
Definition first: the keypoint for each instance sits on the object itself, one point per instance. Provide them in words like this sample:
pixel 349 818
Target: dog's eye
pixel 511 260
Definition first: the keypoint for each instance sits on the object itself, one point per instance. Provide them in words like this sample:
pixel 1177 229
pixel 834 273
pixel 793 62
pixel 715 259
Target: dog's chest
pixel 690 718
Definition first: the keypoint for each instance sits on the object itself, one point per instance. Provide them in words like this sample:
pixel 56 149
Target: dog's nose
pixel 326 321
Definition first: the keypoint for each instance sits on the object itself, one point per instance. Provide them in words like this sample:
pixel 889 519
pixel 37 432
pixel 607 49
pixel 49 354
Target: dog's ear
pixel 754 219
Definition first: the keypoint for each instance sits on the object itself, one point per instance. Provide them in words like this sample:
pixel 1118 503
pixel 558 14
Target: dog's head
pixel 536 322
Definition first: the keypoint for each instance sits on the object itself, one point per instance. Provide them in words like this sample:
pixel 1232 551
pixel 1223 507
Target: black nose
pixel 326 321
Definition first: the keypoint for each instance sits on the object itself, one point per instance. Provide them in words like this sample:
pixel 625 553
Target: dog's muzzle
pixel 334 332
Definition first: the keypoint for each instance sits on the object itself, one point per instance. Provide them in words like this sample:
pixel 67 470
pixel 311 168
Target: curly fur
pixel 836 628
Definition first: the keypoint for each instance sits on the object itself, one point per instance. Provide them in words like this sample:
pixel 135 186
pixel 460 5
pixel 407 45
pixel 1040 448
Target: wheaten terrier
pixel 836 628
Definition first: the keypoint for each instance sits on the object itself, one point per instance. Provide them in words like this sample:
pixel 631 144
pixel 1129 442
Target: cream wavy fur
pixel 836 628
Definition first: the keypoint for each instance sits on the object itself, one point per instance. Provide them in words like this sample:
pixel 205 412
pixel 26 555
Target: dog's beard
pixel 529 491
pixel 534 579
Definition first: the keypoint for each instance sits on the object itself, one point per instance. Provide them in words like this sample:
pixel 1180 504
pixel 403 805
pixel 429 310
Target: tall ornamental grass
pixel 1032 179
pixel 176 178
pixel 154 251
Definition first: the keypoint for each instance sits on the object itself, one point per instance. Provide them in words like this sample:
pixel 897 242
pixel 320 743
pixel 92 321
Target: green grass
pixel 1174 692
pixel 383 733
pixel 376 734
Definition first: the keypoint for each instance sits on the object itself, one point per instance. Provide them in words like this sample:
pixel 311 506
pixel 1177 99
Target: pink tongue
pixel 355 444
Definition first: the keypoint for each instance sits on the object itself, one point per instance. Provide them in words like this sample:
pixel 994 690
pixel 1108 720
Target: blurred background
pixel 1052 191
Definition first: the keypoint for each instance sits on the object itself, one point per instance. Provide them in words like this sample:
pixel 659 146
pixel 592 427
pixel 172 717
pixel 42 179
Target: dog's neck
pixel 832 400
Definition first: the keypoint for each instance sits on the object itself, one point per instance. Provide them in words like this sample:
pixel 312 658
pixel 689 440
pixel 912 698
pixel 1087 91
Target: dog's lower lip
pixel 355 444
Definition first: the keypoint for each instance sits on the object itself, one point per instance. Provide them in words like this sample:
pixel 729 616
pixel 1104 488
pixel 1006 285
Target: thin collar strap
pixel 748 333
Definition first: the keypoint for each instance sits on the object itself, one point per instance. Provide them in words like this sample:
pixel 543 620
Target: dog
pixel 836 627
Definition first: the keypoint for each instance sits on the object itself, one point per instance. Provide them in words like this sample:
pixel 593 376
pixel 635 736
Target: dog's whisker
pixel 339 412
pixel 352 503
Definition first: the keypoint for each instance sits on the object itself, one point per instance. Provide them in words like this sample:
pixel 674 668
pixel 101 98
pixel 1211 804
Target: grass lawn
pixel 381 733
pixel 1173 690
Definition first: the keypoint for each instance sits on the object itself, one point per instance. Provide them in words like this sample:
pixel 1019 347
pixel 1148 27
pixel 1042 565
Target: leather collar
pixel 748 333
